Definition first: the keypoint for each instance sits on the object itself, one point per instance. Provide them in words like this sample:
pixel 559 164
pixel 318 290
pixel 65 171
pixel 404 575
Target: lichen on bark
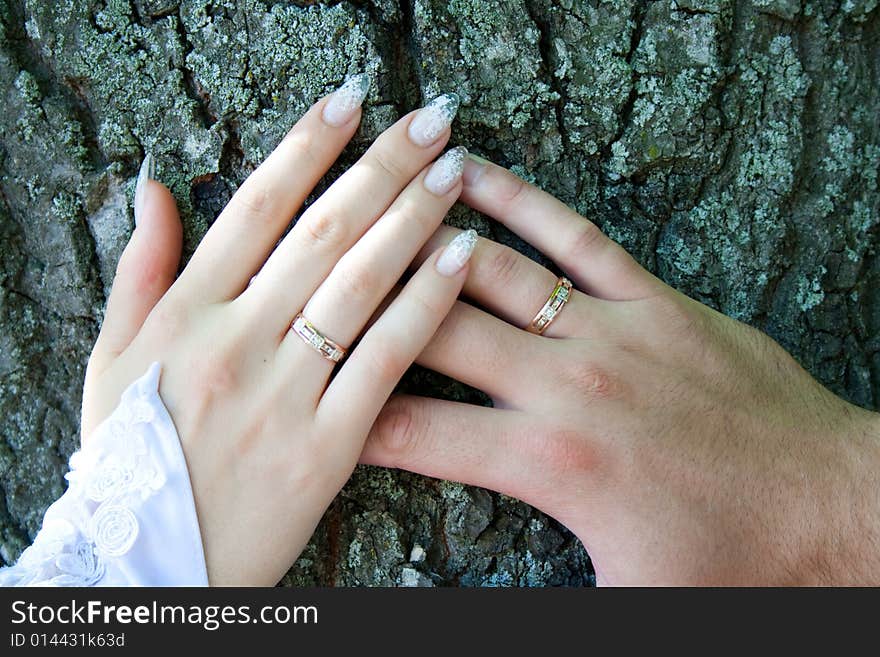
pixel 732 146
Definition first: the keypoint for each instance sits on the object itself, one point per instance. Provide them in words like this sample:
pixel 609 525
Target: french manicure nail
pixel 343 103
pixel 433 119
pixel 147 172
pixel 445 172
pixel 457 253
pixel 473 169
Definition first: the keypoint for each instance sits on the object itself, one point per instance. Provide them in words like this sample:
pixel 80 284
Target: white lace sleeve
pixel 128 516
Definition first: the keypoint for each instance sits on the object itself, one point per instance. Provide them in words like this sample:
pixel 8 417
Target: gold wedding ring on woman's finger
pixel 334 352
pixel 558 298
pixel 317 340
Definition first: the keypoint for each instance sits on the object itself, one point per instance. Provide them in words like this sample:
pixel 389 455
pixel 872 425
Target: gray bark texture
pixel 732 146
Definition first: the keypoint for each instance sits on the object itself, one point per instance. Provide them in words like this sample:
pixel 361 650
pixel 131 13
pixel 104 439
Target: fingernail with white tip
pixel 147 172
pixel 457 253
pixel 446 172
pixel 342 105
pixel 433 119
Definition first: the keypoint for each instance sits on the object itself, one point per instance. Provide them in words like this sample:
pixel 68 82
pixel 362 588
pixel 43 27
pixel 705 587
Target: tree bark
pixel 732 146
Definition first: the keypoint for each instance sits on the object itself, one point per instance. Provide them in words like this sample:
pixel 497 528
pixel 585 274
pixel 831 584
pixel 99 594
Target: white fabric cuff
pixel 128 517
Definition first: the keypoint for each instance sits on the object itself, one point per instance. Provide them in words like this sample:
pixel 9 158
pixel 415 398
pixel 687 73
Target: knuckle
pixel 300 146
pixel 586 238
pixel 389 165
pixel 255 200
pixel 504 265
pixel 411 208
pixel 321 230
pixel 299 471
pixel 358 281
pixel 563 451
pixel 396 432
pixel 427 305
pixel 511 189
pixel 592 381
pixel 216 372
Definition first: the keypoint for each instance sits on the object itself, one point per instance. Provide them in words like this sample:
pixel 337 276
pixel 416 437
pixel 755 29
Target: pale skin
pixel 269 440
pixel 681 446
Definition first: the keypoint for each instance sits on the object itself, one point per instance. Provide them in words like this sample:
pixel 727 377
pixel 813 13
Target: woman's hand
pixel 268 438
pixel 679 445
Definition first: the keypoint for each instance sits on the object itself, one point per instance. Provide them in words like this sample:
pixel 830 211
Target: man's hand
pixel 681 446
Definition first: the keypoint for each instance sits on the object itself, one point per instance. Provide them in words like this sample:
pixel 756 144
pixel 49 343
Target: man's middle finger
pixel 487 353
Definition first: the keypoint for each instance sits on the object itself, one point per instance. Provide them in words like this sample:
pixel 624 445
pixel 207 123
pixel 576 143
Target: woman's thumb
pixel 145 271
